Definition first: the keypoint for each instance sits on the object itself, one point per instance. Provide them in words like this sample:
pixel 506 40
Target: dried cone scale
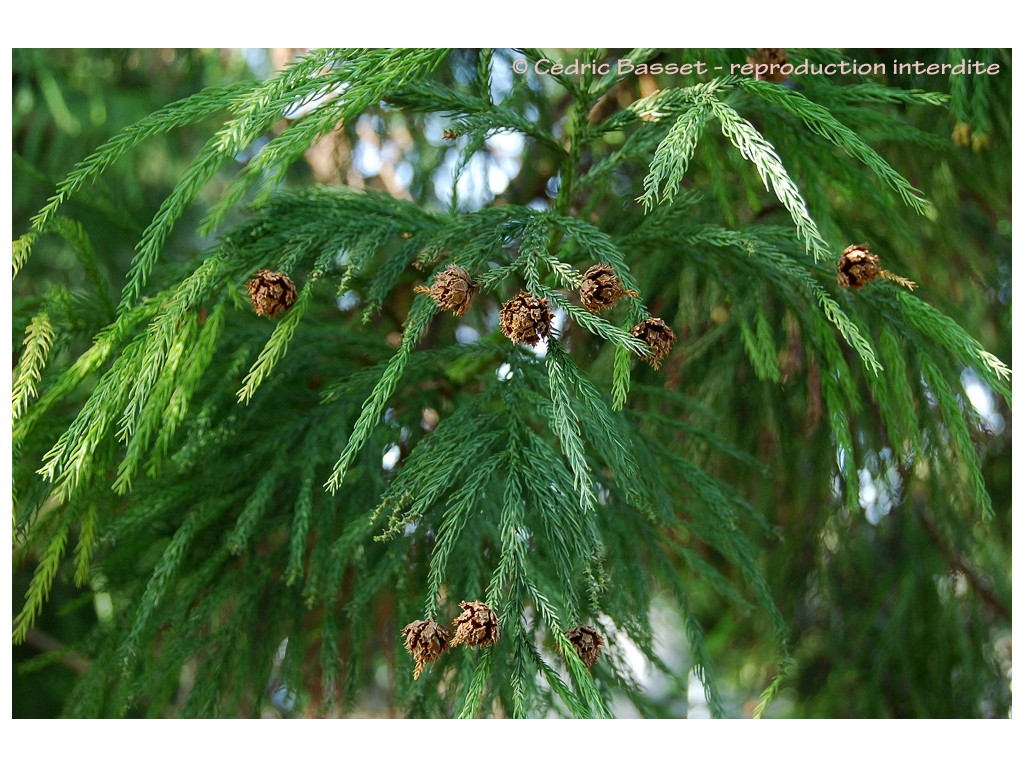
pixel 453 289
pixel 477 625
pixel 658 336
pixel 858 266
pixel 271 293
pixel 525 318
pixel 601 287
pixel 586 641
pixel 426 640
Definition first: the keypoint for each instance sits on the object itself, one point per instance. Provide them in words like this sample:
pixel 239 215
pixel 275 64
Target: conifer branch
pixel 181 437
pixel 415 326
pixel 819 120
pixel 182 112
pixel 773 174
pixel 38 339
pixel 276 347
pixel 673 156
pixel 42 581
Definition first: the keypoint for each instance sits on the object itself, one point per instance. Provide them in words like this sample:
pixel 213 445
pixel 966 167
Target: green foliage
pixel 38 339
pixel 265 503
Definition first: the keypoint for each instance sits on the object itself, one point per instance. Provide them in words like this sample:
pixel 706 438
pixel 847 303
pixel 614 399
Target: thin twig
pixel 955 563
pixel 45 643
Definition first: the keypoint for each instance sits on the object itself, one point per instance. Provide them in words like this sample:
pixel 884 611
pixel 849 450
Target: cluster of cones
pixel 526 319
pixel 477 626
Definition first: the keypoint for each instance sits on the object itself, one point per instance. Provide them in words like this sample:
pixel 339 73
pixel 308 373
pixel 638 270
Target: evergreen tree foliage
pixel 250 509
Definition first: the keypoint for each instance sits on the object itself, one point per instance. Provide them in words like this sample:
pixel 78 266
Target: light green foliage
pixel 42 581
pixel 269 501
pixel 276 346
pixel 818 119
pixel 773 173
pixel 673 155
pixel 38 338
pixel 172 116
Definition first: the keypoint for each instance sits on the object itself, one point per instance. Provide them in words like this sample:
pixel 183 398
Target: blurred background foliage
pixel 888 619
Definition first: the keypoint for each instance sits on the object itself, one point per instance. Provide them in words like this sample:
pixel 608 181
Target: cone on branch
pixel 656 334
pixel 601 287
pixel 477 625
pixel 858 266
pixel 452 289
pixel 586 641
pixel 425 640
pixel 271 293
pixel 525 318
pixel 773 58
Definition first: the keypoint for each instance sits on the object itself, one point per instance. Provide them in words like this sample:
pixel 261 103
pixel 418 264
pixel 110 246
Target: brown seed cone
pixel 271 293
pixel 857 267
pixel 587 642
pixel 658 336
pixel 769 56
pixel 426 640
pixel 601 287
pixel 477 625
pixel 525 318
pixel 453 289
